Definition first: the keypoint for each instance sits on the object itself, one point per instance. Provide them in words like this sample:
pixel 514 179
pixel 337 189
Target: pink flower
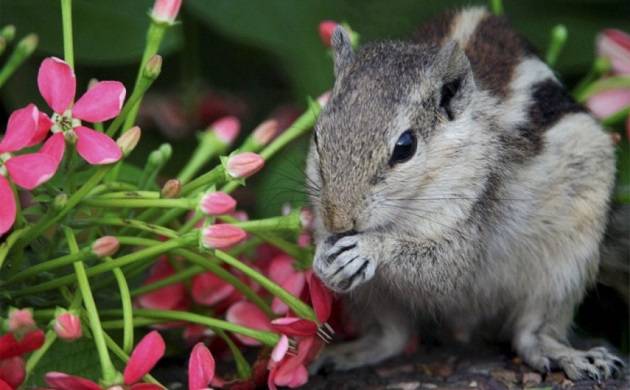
pixel 171 297
pixel 12 372
pixel 57 84
pixel 10 346
pixel 166 11
pixel 143 358
pixel 105 246
pixel 290 371
pixel 20 320
pixel 68 326
pixel 227 129
pixel 244 165
pixel 200 367
pixel 615 45
pixel 265 132
pixel 222 236
pixel 247 314
pixel 208 289
pixel 282 272
pixel 26 127
pixel 217 203
pixel 609 102
pixel 326 29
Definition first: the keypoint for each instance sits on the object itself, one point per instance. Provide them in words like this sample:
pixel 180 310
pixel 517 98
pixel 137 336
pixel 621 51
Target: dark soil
pixel 455 368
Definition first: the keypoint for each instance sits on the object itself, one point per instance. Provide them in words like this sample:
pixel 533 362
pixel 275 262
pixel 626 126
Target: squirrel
pixel 455 180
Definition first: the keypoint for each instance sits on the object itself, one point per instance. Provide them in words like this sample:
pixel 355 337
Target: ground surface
pixel 448 368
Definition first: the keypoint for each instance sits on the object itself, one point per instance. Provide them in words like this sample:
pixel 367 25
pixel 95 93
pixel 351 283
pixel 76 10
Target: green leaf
pixel 76 358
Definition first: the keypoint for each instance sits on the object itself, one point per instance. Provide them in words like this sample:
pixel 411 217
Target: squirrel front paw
pixel 344 263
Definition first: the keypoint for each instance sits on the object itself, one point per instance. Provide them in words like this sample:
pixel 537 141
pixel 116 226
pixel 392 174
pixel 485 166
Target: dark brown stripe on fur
pixel 494 51
pixel 436 30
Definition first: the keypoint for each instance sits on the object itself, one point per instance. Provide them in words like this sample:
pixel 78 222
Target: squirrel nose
pixel 336 221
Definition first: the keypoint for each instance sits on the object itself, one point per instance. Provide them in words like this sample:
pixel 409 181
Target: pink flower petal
pixel 166 298
pixel 615 45
pixel 43 126
pixel 62 381
pixel 21 129
pixel 281 349
pixel 145 386
pixel 5 386
pixel 101 102
pixel 294 284
pixel 321 298
pixel 12 371
pixel 208 289
pixel 57 84
pixel 96 148
pixel 293 326
pixel 247 314
pixel 326 29
pixel 227 129
pixel 143 357
pixel 55 147
pixel 281 268
pixel 608 102
pixel 30 170
pixel 200 367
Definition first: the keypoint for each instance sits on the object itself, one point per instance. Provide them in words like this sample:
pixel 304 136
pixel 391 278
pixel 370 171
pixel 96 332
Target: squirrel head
pixel 398 116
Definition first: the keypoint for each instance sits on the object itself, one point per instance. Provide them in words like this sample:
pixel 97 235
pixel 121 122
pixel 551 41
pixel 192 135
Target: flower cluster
pixel 21 338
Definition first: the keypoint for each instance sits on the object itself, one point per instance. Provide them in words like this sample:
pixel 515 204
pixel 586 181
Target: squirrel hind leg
pixel 385 334
pixel 543 346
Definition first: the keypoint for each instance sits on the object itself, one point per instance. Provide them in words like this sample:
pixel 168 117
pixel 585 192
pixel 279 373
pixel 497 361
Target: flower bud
pixel 153 67
pixel 68 326
pixel 615 45
pixel 165 11
pixel 226 129
pixel 8 32
pixel 129 139
pixel 323 99
pixel 20 320
pixel 105 246
pixel 167 151
pixel 28 44
pixel 326 29
pixel 60 201
pixel 171 189
pixel 222 236
pixel 244 164
pixel 265 131
pixel 306 218
pixel 217 203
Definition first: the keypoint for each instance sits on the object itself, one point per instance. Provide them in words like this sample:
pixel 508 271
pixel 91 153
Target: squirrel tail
pixel 614 268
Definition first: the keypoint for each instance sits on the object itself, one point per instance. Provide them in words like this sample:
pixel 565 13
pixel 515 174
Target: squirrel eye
pixel 404 149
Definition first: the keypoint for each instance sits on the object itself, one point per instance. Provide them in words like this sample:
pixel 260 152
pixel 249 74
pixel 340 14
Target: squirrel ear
pixel 455 78
pixel 342 49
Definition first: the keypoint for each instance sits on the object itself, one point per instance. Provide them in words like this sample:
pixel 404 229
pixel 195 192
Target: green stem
pixel 66 20
pixel 208 148
pixel 128 223
pixel 298 307
pixel 167 281
pixel 181 203
pixel 265 337
pixel 214 176
pixel 23 50
pixel 38 354
pixel 107 367
pixel 600 66
pixel 147 253
pixel 155 34
pixel 617 117
pixel 82 255
pixel 496 6
pixel 558 38
pixel 127 308
pixel 6 246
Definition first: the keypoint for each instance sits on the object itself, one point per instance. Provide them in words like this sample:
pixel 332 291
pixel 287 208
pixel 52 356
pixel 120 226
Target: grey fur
pixel 478 227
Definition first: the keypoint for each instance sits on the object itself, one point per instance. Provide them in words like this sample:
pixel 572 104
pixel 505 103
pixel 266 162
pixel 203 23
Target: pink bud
pixel 222 236
pixel 20 320
pixel 165 10
pixel 128 141
pixel 323 99
pixel 241 215
pixel 306 218
pixel 68 326
pixel 244 164
pixel 217 203
pixel 227 129
pixel 265 131
pixel 326 29
pixel 615 45
pixel 171 189
pixel 105 246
